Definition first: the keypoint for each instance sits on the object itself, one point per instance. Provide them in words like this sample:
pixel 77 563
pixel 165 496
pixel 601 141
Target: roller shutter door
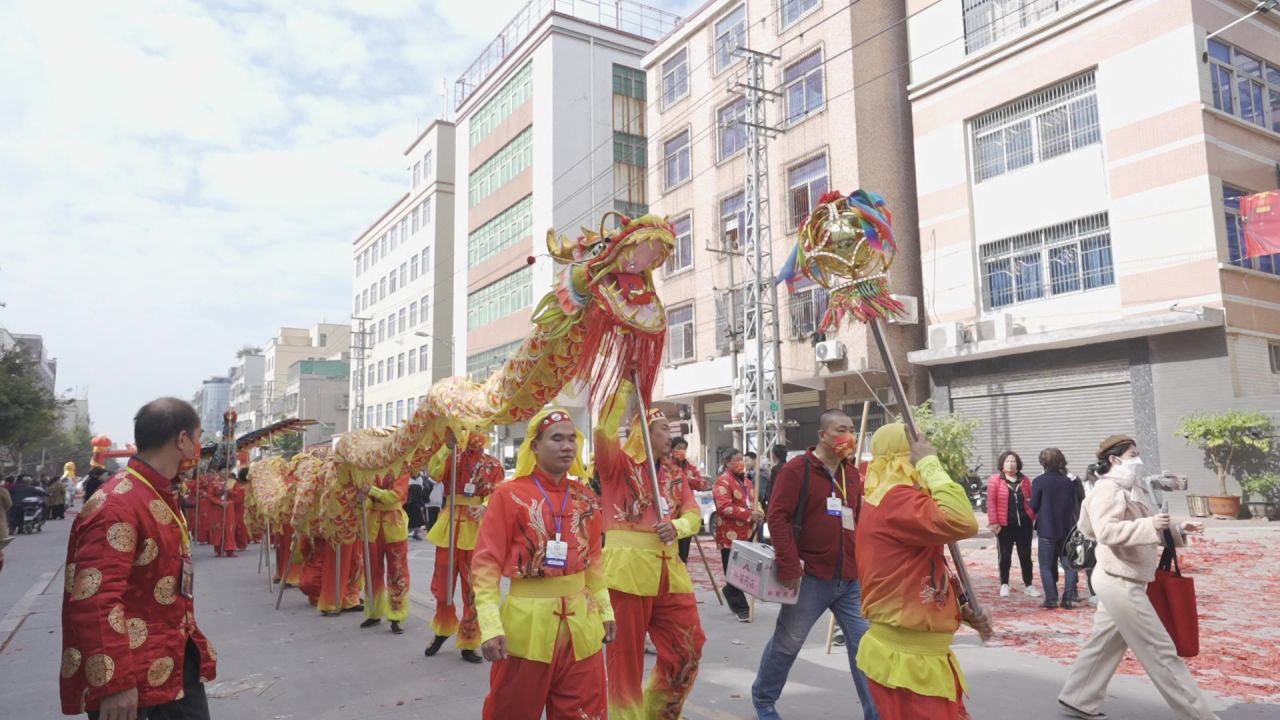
pixel 1071 408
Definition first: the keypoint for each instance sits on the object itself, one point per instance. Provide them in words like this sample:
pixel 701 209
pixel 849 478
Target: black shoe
pixel 330 613
pixel 1076 712
pixel 471 656
pixel 435 645
pixel 1066 604
pixel 743 615
pixel 1049 605
pixel 355 608
pixel 370 623
pixel 395 628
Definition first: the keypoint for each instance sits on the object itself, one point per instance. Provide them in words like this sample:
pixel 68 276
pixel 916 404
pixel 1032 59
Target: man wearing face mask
pixel 680 466
pixel 129 636
pixel 813 513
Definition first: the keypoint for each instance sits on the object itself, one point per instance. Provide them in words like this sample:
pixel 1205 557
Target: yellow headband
pixel 526 461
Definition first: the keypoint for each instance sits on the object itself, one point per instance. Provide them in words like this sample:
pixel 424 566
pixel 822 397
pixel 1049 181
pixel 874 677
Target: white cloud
pixel 180 178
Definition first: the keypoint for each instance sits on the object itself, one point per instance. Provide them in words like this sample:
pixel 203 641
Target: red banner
pixel 1261 216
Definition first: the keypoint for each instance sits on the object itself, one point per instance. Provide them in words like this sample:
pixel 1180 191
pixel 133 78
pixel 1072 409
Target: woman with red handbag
pixel 1118 515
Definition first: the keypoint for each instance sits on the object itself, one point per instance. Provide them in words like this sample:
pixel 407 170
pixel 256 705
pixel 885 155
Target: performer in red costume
pixel 739 514
pixel 388 528
pixel 543 531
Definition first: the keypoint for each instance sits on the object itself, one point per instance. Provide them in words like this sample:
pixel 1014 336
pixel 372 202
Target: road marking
pixel 18 613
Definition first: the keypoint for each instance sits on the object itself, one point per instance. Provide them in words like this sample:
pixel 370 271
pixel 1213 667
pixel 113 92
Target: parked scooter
pixel 977 489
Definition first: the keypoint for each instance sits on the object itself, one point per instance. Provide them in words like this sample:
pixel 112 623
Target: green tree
pixel 287 444
pixel 1229 440
pixel 28 410
pixel 951 435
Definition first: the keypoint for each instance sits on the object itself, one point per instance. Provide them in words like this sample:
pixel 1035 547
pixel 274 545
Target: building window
pixel 1066 258
pixel 675 158
pixel 682 256
pixel 391 325
pixel 1273 351
pixel 422 357
pixel 425 260
pixel 989 21
pixel 792 10
pixel 675 78
pixel 731 33
pixel 729 305
pixel 630 149
pixel 400 365
pixel 428 167
pixel 501 298
pixel 413 220
pixel 417 170
pixel 506 101
pixel 808 305
pixel 413 314
pixel 381 369
pixel 356 304
pixel 382 288
pixel 802 85
pixel 806 183
pixel 733 133
pixel 382 330
pixel 413 267
pixel 630 209
pixel 389 406
pixel 733 222
pixel 368 417
pixel 1245 86
pixel 513 224
pixel 413 361
pixel 680 338
pixel 372 376
pixel 483 364
pixel 422 308
pixel 324 339
pixel 392 286
pixel 1235 236
pixel 425 209
pixel 403 320
pixel 1041 126
pixel 628 82
pixel 379 415
pixel 511 160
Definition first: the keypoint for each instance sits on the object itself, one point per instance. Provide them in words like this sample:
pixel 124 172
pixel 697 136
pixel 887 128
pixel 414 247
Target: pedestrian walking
pixel 415 508
pixel 739 514
pixel 1118 514
pixel 779 454
pixel 1010 517
pixel 131 645
pixel 435 499
pixel 1053 500
pixel 911 510
pixel 97 476
pixel 812 519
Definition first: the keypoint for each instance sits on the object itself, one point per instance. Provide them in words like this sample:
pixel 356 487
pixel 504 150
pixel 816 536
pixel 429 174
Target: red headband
pixel 553 417
pixel 655 414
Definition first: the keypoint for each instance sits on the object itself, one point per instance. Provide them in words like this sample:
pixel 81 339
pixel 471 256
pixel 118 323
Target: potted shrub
pixel 1229 439
pixel 1263 490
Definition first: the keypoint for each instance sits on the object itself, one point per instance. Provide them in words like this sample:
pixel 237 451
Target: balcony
pixel 624 15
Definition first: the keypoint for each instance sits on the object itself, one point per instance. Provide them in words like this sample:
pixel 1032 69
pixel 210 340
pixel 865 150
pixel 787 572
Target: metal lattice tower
pixel 761 378
pixel 358 348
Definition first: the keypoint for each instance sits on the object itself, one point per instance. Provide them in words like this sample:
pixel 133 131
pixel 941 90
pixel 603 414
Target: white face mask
pixel 1129 467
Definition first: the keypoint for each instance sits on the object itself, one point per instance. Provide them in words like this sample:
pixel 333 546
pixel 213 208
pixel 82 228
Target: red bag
pixel 1174 598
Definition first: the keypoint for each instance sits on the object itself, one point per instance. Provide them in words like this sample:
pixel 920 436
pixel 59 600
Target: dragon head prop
pixel 847 246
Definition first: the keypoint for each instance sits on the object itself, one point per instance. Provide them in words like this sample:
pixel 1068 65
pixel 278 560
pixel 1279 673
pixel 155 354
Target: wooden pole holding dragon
pixel 847 246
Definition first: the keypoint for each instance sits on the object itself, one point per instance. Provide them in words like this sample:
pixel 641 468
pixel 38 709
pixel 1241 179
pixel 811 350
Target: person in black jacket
pixel 1054 501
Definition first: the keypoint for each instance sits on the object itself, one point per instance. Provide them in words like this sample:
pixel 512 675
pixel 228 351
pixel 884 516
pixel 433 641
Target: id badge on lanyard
pixel 469 490
pixel 557 553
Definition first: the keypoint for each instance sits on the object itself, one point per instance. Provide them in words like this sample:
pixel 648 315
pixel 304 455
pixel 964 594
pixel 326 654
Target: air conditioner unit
pixel 885 397
pixel 829 351
pixel 946 335
pixel 910 313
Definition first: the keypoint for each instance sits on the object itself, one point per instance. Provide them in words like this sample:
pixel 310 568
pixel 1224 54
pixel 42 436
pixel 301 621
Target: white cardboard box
pixel 751 570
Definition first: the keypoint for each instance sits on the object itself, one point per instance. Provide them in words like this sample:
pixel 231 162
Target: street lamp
pixel 449 342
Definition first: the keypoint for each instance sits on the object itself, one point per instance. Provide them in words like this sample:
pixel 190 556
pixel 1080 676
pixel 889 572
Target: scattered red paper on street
pixel 1237 586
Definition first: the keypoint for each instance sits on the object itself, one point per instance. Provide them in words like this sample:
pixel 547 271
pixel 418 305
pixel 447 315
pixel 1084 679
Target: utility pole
pixel 358 349
pixel 762 387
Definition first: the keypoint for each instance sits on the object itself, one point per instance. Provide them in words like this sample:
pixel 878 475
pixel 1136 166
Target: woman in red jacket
pixel 1010 517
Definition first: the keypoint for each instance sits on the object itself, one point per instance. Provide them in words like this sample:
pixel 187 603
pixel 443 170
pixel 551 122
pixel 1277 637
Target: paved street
pixel 294 664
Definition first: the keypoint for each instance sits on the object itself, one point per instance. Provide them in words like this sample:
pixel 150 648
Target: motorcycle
pixel 977 489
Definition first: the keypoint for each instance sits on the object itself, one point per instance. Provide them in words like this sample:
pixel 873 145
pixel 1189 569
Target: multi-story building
pixel 73 413
pixel 1079 167
pixel 46 368
pixel 404 288
pixel 841 121
pixel 318 390
pixel 550 134
pixel 247 377
pixel 319 342
pixel 213 399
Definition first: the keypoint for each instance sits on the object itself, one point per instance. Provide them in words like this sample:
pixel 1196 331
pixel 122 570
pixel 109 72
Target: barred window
pixel 989 21
pixel 1038 127
pixel 730 314
pixel 808 305
pixel 806 182
pixel 680 346
pixel 733 221
pixel 500 233
pixel 792 10
pixel 505 164
pixel 1069 257
pixel 510 97
pixel 1245 86
pixel 501 298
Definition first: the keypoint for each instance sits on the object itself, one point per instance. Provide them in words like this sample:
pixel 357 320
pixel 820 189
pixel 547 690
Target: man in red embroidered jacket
pixel 129 564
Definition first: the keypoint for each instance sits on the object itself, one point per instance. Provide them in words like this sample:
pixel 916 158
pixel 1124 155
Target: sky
pixel 181 179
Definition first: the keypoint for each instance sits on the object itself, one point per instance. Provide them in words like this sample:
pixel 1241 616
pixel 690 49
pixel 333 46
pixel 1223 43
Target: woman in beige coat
pixel 1118 514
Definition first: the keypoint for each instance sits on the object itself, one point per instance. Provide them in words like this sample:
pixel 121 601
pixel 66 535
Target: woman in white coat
pixel 1118 514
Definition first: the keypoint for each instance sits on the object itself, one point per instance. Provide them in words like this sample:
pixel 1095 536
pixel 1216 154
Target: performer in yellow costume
pixel 388 537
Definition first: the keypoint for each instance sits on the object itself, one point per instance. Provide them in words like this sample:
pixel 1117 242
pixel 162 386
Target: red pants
pixel 567 689
pixel 284 547
pixel 902 704
pixel 389 570
pixel 350 576
pixel 227 530
pixel 671 620
pixel 445 621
